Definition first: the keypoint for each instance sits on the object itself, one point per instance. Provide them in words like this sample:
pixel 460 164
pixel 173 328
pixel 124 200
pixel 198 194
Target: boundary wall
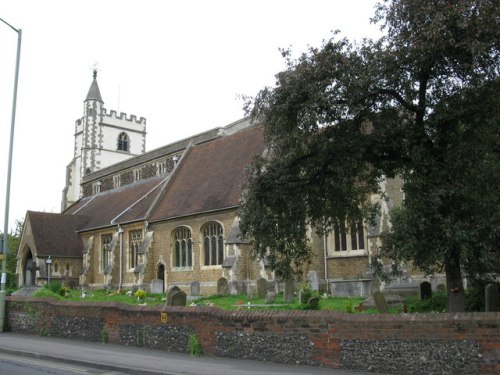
pixel 463 343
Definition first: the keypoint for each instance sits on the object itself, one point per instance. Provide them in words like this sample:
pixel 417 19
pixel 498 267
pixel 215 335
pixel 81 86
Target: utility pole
pixel 3 280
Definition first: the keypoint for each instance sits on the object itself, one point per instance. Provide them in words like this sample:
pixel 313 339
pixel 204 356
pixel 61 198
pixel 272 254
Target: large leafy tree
pixel 421 102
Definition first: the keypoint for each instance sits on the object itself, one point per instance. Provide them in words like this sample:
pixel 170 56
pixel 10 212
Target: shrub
pixel 438 303
pixel 140 294
pixel 194 346
pixel 53 286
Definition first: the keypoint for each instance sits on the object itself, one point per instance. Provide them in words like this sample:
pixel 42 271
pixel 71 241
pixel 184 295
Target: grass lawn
pixel 235 302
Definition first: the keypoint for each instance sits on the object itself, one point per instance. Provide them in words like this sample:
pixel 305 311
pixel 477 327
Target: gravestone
pixel 222 287
pixel 313 280
pixel 289 291
pixel 195 288
pixel 380 302
pixel 491 298
pixel 261 287
pixel 425 290
pixel 178 299
pixel 172 290
pixel 441 287
pixel 157 286
pixel 270 297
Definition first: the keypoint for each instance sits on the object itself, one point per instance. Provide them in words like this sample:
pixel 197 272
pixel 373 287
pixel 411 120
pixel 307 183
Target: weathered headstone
pixel 313 280
pixel 178 299
pixel 157 286
pixel 170 293
pixel 261 287
pixel 222 287
pixel 195 288
pixel 270 297
pixel 289 291
pixel 380 302
pixel 425 290
pixel 491 298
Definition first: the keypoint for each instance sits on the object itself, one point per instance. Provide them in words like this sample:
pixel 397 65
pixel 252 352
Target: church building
pixel 170 215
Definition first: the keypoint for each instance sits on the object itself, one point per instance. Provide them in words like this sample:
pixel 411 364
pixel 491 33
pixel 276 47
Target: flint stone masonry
pixel 82 328
pixel 461 343
pixel 161 337
pixel 418 357
pixel 287 348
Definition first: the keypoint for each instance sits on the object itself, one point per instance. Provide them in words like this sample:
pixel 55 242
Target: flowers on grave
pixel 140 295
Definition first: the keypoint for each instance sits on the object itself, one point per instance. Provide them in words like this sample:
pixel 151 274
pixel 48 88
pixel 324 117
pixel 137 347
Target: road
pixel 11 364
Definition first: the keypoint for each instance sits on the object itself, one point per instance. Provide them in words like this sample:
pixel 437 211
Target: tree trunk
pixel 455 286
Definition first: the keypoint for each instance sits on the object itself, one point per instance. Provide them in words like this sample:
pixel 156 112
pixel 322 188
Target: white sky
pixel 179 64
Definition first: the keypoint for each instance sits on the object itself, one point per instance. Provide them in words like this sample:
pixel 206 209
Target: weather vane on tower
pixel 95 69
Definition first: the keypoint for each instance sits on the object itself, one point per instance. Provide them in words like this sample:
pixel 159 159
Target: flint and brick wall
pixel 465 343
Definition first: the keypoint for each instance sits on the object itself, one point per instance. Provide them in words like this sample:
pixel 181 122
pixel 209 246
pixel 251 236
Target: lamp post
pixel 3 280
pixel 49 264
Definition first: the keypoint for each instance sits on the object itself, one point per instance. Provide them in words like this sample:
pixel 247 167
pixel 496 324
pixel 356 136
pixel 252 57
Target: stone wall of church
pixel 347 267
pixel 162 252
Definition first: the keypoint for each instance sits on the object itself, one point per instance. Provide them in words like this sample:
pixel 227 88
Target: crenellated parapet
pixel 123 116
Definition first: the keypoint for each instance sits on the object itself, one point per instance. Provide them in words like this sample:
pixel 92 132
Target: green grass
pixel 235 302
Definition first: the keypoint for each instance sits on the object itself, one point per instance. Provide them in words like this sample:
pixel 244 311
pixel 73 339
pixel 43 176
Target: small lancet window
pixel 123 142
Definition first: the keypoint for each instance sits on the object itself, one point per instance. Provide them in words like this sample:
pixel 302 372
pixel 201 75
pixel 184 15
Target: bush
pixel 474 295
pixel 194 346
pixel 53 286
pixel 438 303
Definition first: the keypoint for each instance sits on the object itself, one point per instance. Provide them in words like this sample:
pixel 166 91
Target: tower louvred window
pixel 123 142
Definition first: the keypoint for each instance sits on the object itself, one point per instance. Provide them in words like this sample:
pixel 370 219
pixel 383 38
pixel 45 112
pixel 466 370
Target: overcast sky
pixel 180 64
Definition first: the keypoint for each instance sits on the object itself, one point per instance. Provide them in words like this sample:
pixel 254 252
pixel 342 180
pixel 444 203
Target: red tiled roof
pixel 210 176
pixel 122 205
pixel 56 234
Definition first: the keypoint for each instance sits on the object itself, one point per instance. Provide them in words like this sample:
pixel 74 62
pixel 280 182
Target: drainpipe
pixel 326 265
pixel 120 234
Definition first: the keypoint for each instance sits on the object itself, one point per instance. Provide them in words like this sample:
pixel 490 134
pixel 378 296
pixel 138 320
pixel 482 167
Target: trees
pixel 14 240
pixel 421 102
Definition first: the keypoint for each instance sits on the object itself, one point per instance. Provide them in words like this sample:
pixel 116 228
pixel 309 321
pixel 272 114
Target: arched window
pixel 123 142
pixel 183 247
pixel 213 244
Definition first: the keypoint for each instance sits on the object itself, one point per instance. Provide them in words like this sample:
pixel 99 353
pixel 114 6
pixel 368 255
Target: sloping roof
pixel 211 175
pixel 122 205
pixel 94 93
pixel 56 234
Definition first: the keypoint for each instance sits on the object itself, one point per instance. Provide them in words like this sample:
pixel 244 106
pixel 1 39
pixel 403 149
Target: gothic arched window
pixel 183 254
pixel 213 244
pixel 123 142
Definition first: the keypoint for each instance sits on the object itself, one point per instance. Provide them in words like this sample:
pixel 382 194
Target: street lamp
pixel 3 279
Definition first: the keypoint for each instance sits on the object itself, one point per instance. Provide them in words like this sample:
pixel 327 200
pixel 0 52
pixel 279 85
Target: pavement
pixel 143 361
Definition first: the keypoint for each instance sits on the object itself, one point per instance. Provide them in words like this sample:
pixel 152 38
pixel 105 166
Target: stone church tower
pixel 101 139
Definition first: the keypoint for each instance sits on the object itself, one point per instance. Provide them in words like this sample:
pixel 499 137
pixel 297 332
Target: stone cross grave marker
pixel 222 287
pixel 178 298
pixel 313 280
pixel 157 286
pixel 425 290
pixel 261 287
pixel 170 293
pixel 380 302
pixel 289 291
pixel 195 288
pixel 491 298
pixel 33 268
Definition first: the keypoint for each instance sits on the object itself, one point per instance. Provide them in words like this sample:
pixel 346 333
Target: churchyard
pixel 266 297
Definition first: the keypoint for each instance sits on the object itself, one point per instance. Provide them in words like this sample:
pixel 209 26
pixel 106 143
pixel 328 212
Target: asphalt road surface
pixel 20 365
